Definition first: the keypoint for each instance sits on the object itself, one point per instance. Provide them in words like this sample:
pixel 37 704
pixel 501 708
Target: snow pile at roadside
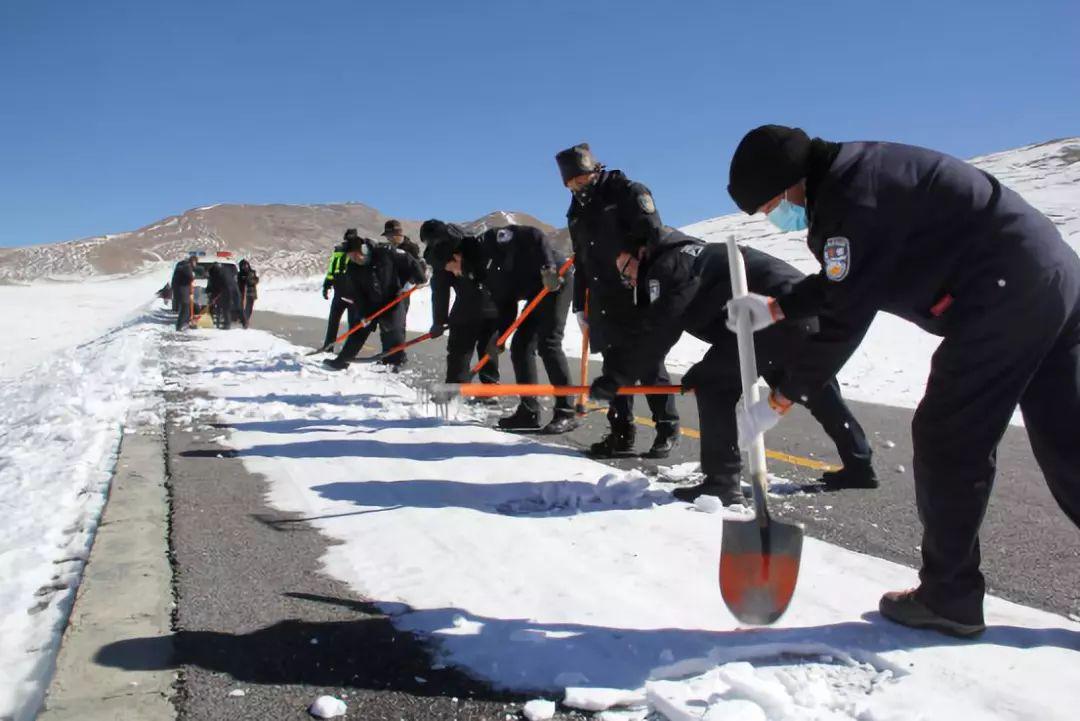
pixel 43 319
pixel 60 425
pixel 607 603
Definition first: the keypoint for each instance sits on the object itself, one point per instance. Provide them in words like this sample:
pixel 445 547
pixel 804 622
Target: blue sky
pixel 115 114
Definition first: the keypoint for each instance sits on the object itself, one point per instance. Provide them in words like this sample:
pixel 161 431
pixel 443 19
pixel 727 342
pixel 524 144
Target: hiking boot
pixel 337 364
pixel 667 437
pixel 523 419
pixel 905 608
pixel 850 477
pixel 618 442
pixel 562 422
pixel 726 487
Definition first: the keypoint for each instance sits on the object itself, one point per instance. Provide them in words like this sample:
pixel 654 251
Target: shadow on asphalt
pixel 369 653
pixel 546 498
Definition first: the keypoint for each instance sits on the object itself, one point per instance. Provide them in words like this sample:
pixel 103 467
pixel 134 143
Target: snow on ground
pixel 542 571
pixel 42 319
pixel 60 425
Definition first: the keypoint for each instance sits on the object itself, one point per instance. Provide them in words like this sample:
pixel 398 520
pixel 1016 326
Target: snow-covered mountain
pixel 291 240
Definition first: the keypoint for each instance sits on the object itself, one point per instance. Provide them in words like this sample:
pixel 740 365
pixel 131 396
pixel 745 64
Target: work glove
pixel 437 330
pixel 759 417
pixel 763 310
pixel 326 290
pixel 582 321
pixel 407 287
pixel 551 279
pixel 604 388
pixel 693 377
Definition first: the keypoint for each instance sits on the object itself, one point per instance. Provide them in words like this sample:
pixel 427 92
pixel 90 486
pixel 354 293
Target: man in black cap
pixel 335 279
pixel 375 274
pixel 473 319
pixel 944 245
pixel 395 235
pixel 249 291
pixel 683 284
pixel 519 262
pixel 606 209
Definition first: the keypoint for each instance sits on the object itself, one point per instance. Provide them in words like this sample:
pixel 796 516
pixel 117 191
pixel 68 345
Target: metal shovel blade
pixel 759 567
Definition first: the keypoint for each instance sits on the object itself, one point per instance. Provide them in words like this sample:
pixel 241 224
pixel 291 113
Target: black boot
pixel 862 476
pixel 667 437
pixel 523 419
pixel 564 421
pixel 338 363
pixel 726 487
pixel 618 442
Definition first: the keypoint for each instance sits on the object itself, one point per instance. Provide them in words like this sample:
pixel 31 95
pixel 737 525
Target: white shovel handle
pixel 748 371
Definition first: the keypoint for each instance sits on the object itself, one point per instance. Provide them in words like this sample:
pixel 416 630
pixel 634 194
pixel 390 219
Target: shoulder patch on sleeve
pixel 646 202
pixel 654 290
pixel 837 258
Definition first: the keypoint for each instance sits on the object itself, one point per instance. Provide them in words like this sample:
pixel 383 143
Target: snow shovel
pixel 521 318
pixel 366 321
pixel 759 558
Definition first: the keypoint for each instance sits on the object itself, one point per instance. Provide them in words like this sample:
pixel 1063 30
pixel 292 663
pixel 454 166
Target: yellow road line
pixel 775 455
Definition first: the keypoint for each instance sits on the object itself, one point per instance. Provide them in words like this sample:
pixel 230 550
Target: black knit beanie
pixel 768 161
pixel 576 161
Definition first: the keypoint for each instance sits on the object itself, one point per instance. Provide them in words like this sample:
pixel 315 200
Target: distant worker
pixel 248 280
pixel 219 288
pixel 335 279
pixel 375 274
pixel 395 235
pixel 182 279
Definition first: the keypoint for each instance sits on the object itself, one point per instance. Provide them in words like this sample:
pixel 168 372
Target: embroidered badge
pixel 654 290
pixel 693 250
pixel 503 235
pixel 837 258
pixel 646 202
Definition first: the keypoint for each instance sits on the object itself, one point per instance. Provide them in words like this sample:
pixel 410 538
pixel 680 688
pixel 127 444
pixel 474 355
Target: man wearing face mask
pixel 520 261
pixel 374 275
pixel 683 284
pixel 606 209
pixel 944 245
pixel 472 320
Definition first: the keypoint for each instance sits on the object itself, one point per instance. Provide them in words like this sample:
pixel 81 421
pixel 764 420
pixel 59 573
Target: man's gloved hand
pixel 763 310
pixel 603 388
pixel 582 321
pixel 408 286
pixel 437 330
pixel 760 416
pixel 326 289
pixel 549 275
pixel 693 377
